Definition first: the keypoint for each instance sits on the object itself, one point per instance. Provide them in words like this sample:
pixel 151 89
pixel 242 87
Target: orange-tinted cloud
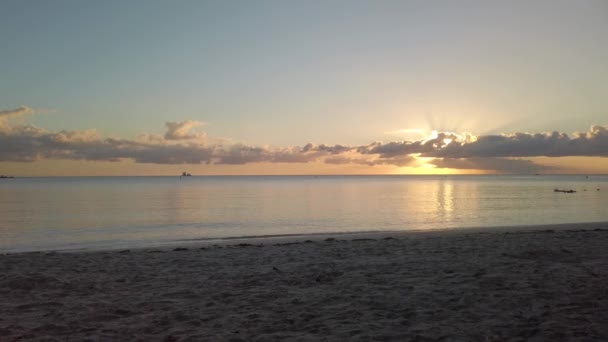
pixel 182 130
pixel 180 145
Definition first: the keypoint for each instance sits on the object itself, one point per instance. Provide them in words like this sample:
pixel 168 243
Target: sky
pixel 303 87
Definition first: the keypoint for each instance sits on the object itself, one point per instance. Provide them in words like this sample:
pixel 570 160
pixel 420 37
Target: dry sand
pixel 542 285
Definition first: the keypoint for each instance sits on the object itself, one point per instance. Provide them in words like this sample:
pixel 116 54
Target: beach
pixel 469 285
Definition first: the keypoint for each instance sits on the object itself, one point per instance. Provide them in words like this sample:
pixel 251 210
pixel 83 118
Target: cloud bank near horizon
pixel 182 145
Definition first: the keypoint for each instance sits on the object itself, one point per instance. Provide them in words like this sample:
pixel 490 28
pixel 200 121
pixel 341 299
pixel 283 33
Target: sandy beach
pixel 549 284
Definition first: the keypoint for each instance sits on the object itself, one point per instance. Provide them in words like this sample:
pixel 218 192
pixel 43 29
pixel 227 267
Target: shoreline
pixel 542 284
pixel 288 238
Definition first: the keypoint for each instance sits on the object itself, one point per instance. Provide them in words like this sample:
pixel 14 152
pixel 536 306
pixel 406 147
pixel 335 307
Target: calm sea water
pixel 106 212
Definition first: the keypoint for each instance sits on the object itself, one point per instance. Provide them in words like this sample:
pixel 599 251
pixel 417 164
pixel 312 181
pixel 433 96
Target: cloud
pixel 6 115
pixel 592 143
pixel 87 146
pixel 336 149
pixel 340 160
pixel 518 145
pixel 400 161
pixel 181 130
pixel 15 112
pixel 180 145
pixel 242 154
pixel 394 149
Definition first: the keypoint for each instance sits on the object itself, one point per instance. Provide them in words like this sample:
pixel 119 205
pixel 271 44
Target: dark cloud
pixel 336 149
pixel 592 143
pixel 242 154
pixel 399 148
pixel 294 155
pixel 28 143
pixel 365 160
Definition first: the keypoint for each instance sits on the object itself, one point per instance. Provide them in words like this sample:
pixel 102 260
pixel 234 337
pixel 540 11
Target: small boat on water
pixel 5 176
pixel 564 191
pixel 186 174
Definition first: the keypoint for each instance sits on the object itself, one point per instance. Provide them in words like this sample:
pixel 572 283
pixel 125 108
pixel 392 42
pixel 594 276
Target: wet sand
pixel 549 284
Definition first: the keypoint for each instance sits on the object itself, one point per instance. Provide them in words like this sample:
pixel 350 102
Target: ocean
pixel 66 213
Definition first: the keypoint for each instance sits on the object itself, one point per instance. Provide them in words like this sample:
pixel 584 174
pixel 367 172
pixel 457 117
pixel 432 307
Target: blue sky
pixel 286 73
